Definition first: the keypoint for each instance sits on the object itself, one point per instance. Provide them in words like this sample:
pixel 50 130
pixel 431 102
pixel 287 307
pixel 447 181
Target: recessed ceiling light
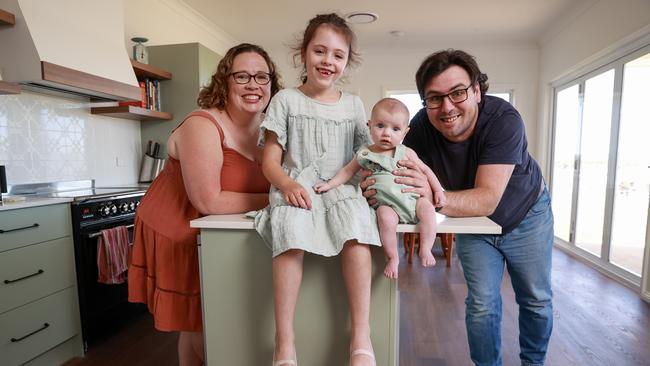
pixel 361 17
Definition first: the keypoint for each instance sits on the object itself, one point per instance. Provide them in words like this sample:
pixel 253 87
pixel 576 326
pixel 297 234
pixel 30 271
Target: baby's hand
pixel 322 187
pixel 296 195
pixel 439 199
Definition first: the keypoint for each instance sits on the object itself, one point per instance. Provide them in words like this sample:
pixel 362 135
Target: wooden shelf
pixel 147 71
pixel 7 18
pixel 9 88
pixel 131 112
pixel 142 71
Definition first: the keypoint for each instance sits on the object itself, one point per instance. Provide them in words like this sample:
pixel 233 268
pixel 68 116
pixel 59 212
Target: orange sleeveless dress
pixel 164 269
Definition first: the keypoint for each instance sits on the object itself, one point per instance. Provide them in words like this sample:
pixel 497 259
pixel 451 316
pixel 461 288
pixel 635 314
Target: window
pixel 507 96
pixel 600 175
pixel 410 98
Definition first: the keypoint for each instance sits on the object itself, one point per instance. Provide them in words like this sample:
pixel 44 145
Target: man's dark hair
pixel 440 61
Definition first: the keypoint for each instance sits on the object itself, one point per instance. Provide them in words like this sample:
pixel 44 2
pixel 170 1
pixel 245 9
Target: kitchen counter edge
pixel 458 225
pixel 34 202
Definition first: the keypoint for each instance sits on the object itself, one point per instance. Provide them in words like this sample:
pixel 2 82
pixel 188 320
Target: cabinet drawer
pixel 33 225
pixel 35 271
pixel 38 326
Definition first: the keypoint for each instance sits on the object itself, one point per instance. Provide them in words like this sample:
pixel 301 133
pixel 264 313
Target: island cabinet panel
pixel 238 305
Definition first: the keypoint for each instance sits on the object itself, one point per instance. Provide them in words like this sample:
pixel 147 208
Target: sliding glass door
pixel 630 211
pixel 600 180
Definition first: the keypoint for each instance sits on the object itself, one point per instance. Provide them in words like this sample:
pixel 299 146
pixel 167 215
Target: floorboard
pixel 597 322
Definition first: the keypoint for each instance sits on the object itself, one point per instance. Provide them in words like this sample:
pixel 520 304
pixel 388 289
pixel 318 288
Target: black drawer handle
pixel 20 228
pixel 40 271
pixel 45 325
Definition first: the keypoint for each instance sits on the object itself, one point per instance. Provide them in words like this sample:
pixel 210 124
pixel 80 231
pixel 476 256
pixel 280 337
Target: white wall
pixel 592 36
pixel 171 22
pixel 512 66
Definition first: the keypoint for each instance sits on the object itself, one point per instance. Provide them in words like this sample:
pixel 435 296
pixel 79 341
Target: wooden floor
pixel 597 322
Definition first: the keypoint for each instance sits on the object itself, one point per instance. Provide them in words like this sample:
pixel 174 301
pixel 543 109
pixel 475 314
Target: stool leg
pixel 407 246
pixel 447 245
pixel 411 246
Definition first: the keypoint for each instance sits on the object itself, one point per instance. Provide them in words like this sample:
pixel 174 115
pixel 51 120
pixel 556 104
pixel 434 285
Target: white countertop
pixel 460 225
pixel 32 202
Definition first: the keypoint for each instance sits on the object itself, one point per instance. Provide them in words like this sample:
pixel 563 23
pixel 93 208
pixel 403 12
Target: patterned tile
pixel 45 138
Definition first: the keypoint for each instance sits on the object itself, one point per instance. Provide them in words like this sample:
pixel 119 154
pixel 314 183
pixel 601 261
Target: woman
pixel 212 169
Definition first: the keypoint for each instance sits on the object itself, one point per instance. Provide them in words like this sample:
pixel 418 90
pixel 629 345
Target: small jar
pixel 140 53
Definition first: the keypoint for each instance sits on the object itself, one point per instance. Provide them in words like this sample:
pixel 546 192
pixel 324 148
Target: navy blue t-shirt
pixel 499 138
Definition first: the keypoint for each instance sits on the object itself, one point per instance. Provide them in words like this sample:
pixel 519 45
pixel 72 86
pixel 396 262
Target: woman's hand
pixel 412 176
pixel 365 183
pixel 296 195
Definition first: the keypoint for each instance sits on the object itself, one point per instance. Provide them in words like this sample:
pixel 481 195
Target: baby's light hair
pixel 392 106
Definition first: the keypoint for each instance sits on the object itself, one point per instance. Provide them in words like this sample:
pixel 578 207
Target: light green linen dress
pixel 389 193
pixel 318 139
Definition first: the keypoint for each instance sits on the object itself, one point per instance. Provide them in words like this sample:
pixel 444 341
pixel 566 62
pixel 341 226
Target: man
pixel 476 145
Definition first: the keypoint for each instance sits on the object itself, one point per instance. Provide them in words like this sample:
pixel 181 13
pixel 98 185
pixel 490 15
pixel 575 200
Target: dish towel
pixel 112 253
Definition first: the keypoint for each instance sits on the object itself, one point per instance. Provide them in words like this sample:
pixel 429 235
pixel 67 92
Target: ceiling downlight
pixel 361 17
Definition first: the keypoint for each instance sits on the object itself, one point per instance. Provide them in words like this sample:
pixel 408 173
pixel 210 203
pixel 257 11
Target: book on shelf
pixel 143 94
pixel 136 103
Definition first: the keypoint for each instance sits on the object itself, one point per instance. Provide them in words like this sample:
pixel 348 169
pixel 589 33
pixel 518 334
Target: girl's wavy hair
pixel 336 23
pixel 215 94
pixel 440 61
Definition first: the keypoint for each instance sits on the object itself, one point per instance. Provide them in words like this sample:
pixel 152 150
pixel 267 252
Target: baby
pixel 388 125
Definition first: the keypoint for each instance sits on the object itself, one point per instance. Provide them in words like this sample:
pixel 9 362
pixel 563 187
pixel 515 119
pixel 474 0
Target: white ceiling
pixel 272 23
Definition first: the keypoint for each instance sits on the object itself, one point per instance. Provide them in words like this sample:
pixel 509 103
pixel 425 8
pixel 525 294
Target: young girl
pixel 309 133
pixel 388 125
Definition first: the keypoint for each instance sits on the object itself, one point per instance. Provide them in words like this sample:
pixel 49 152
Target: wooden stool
pixel 411 240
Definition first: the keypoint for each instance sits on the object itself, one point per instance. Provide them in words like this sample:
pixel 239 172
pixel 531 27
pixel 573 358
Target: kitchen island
pixel 237 297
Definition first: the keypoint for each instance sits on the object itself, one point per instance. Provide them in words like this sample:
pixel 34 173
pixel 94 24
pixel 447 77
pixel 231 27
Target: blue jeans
pixel 526 252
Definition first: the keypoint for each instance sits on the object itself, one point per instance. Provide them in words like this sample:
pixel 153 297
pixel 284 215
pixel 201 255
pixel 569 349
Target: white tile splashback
pixel 45 138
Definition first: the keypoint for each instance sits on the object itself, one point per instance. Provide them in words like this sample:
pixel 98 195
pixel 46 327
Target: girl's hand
pixel 364 184
pixel 413 177
pixel 296 195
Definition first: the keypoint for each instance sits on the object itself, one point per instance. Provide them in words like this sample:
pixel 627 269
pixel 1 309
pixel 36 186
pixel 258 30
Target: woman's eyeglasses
pixel 242 77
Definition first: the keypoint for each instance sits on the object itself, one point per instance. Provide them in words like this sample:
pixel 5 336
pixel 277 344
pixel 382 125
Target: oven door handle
pixel 92 235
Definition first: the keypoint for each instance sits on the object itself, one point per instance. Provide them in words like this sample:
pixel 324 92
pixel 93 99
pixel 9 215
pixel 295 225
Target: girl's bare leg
pixel 357 271
pixel 287 275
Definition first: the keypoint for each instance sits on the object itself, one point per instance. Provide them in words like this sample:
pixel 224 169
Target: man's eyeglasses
pixel 242 77
pixel 456 96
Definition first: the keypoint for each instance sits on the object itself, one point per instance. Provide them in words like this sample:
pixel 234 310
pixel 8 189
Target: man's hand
pixel 365 183
pixel 414 178
pixel 439 199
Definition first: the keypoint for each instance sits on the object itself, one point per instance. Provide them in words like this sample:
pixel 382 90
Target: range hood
pixel 70 46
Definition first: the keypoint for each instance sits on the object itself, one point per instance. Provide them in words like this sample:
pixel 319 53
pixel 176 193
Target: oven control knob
pixel 113 209
pixel 132 206
pixel 104 210
pixel 124 207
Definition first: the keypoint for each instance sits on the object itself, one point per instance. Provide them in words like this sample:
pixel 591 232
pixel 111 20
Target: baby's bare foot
pixel 391 268
pixel 426 257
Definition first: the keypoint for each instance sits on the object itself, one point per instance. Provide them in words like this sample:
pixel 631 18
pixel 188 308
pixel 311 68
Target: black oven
pixel 104 308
